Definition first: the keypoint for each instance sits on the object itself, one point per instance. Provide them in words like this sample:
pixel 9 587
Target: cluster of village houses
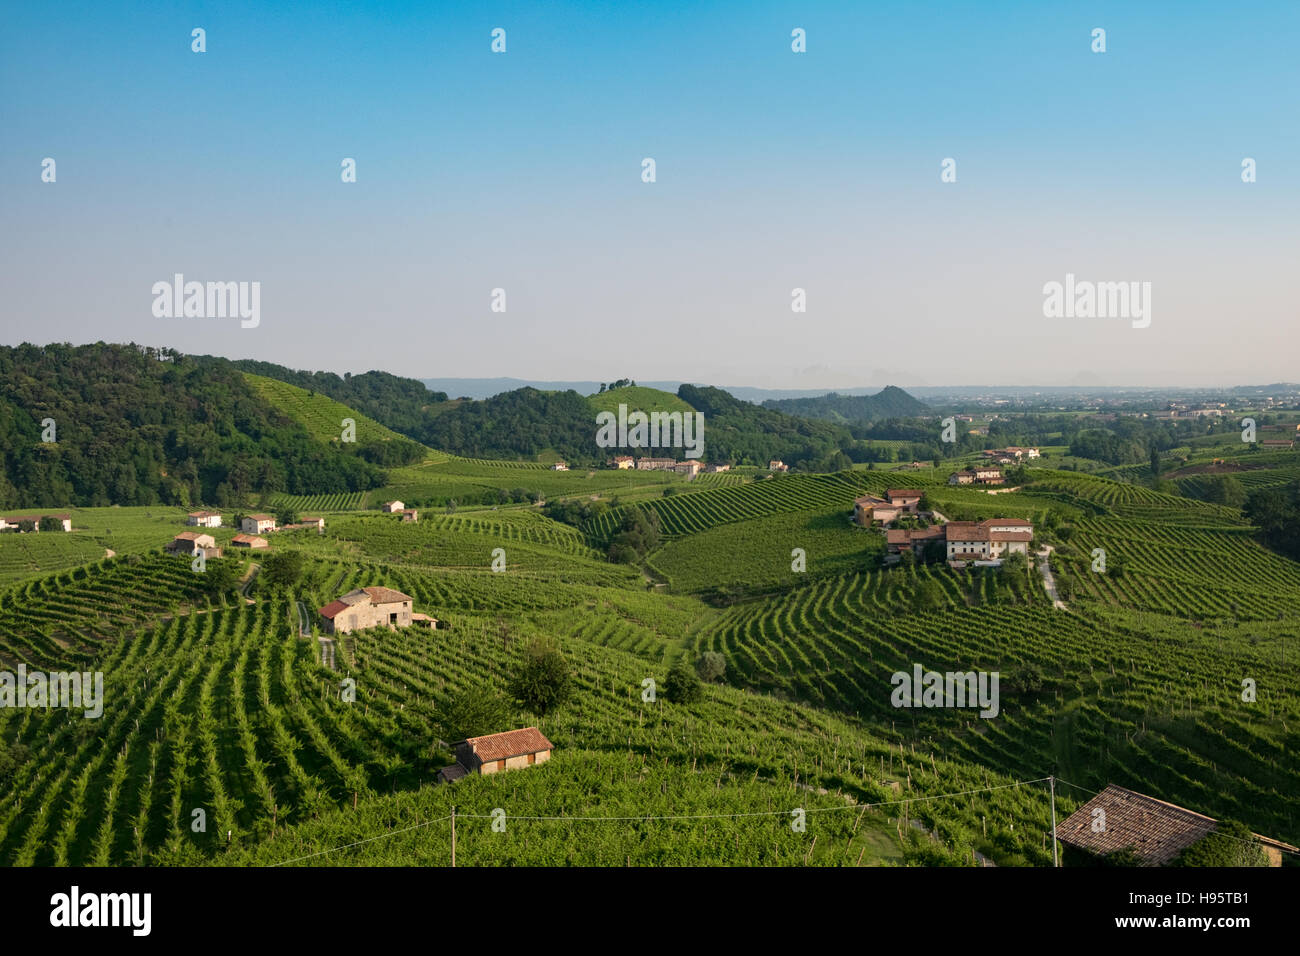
pixel 251 527
pixel 979 543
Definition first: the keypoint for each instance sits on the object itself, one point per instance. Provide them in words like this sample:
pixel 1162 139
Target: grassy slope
pixel 321 415
pixel 637 398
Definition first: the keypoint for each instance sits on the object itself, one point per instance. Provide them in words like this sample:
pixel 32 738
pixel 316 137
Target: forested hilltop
pixel 143 426
pixel 890 402
pixel 400 403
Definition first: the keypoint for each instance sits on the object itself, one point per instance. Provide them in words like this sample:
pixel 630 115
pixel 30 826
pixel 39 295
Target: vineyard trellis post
pixel 1051 782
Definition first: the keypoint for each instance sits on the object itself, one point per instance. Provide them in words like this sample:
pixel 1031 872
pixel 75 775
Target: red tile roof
pixel 511 743
pixel 329 610
pixel 1155 830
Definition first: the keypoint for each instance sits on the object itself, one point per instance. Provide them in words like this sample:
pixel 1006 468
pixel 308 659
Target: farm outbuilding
pixel 509 750
pixel 1155 831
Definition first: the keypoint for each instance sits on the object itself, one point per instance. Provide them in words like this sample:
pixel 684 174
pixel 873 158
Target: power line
pixel 367 840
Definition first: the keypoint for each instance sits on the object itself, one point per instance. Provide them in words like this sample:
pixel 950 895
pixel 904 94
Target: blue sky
pixel 775 170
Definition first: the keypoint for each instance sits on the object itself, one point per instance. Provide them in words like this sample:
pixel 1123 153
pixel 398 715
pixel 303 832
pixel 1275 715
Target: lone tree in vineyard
pixel 542 681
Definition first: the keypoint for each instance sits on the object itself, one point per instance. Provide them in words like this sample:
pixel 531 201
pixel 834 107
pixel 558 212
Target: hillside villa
pixel 365 608
pixel 1155 831
pixel 977 475
pixel 496 752
pixel 204 519
pixel 193 543
pixel 560 466
pixel 15 524
pixel 623 462
pixel 777 465
pixel 257 524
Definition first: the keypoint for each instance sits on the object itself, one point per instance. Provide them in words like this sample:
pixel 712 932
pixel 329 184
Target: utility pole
pixel 1051 781
pixel 453 837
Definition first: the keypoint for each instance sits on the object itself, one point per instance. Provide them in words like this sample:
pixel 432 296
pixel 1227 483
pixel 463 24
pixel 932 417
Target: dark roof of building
pixel 452 773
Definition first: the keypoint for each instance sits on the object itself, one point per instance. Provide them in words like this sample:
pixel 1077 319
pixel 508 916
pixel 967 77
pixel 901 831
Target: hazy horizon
pixel 775 170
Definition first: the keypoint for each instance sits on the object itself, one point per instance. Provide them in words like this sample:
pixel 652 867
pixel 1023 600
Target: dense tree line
pixel 518 424
pixel 137 426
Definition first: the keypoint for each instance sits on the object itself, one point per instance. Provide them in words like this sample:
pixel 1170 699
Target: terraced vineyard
pixel 213 701
pixel 688 514
pixel 228 711
pixel 67 617
pixel 1109 698
pixel 757 554
pixel 311 504
pixel 1185 571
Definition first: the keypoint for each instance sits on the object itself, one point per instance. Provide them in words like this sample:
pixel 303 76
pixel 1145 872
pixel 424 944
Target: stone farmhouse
pixel 204 519
pixel 365 608
pixel 496 752
pixel 392 507
pixel 410 514
pixel 623 462
pixel 777 465
pixel 715 469
pixel 193 543
pixel 869 509
pixel 257 524
pixel 965 541
pixel 560 466
pixel 251 541
pixel 978 475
